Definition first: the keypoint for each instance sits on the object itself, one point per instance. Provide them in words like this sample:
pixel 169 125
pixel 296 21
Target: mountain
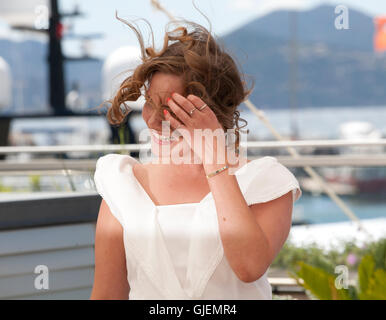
pixel 29 70
pixel 317 25
pixel 334 67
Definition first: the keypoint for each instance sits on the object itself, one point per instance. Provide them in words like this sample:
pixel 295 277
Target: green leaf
pixel 365 272
pixel 376 289
pixel 321 283
pixel 315 280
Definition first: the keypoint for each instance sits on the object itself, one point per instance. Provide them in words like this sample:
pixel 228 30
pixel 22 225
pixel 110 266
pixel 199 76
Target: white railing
pixel 294 160
pixel 378 159
pixel 47 165
pixel 248 145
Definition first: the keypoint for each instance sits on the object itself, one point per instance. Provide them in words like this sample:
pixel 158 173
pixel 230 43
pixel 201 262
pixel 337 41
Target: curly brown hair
pixel 206 69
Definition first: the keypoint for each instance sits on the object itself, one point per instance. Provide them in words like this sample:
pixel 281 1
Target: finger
pixel 179 112
pixel 178 127
pixel 183 102
pixel 174 123
pixel 197 102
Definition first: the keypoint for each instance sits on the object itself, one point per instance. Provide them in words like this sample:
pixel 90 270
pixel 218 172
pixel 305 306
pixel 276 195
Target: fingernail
pixel 165 112
pixel 167 100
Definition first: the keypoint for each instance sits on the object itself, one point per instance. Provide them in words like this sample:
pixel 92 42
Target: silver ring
pixel 204 106
pixel 191 111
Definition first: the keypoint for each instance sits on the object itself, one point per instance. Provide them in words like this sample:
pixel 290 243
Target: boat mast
pixel 293 69
pixel 55 59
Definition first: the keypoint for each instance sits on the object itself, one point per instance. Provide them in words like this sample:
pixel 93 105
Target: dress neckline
pixel 180 204
pixel 162 205
pixel 176 204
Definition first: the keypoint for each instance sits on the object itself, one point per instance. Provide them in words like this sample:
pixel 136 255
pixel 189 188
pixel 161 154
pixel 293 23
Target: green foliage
pixel 378 251
pixel 35 182
pixel 121 133
pixel 327 260
pixel 371 281
pixel 320 283
pixel 290 255
pixel 124 138
pixel 5 189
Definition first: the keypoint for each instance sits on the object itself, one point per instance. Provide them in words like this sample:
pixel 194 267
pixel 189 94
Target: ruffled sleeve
pixel 104 180
pixel 265 179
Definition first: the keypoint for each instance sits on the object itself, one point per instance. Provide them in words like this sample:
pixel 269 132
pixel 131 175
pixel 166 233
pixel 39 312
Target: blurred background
pixel 319 74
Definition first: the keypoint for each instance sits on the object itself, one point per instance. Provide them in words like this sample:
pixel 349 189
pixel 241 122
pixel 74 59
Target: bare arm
pixel 253 235
pixel 110 276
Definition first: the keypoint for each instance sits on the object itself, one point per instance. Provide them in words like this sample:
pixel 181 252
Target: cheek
pixel 146 113
pixel 150 116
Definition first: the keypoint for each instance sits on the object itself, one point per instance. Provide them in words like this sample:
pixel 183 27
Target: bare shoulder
pixel 106 222
pixel 110 274
pixel 149 168
pixel 143 170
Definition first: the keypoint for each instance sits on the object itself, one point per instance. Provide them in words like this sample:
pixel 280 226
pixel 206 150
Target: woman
pixel 202 229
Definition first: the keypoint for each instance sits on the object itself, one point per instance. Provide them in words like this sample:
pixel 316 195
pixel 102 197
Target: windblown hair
pixel 206 69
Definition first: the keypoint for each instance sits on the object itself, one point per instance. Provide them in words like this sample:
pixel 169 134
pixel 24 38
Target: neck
pixel 178 161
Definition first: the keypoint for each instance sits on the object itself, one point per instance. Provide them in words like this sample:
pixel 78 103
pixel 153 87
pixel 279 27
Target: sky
pixel 224 15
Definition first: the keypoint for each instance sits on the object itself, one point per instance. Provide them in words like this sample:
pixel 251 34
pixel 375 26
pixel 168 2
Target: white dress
pixel 175 251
